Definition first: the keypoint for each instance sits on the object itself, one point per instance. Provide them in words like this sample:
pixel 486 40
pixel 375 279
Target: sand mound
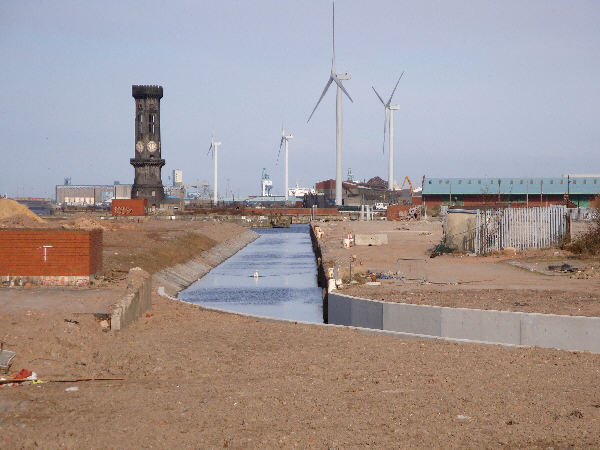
pixel 14 214
pixel 84 221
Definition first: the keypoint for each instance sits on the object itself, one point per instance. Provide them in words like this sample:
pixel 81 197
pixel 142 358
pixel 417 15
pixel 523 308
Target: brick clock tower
pixel 147 162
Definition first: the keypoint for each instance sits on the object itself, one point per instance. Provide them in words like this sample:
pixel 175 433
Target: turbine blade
pixel 339 83
pixel 209 148
pixel 390 100
pixel 320 98
pixel 333 42
pixel 379 96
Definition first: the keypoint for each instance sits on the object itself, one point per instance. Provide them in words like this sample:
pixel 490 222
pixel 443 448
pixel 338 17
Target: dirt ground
pixel 187 378
pixel 507 281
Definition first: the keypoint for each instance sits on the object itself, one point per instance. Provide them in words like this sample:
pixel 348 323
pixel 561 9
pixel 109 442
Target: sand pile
pixel 13 214
pixel 84 221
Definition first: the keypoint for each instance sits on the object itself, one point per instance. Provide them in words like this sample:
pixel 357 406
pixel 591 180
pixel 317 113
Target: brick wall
pixel 38 252
pixel 129 207
pixel 394 212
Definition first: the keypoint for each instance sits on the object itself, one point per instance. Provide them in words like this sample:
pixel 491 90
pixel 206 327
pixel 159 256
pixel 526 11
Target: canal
pixel 286 285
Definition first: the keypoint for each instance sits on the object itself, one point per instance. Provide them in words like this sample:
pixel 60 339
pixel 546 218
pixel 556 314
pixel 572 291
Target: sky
pixel 498 89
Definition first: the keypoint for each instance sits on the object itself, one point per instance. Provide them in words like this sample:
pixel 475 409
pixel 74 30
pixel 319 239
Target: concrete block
pixel 564 332
pixel 416 319
pixel 339 309
pixel 370 239
pixel 367 313
pixel 481 325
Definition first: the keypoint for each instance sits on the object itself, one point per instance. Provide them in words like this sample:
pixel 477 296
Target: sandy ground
pixel 197 379
pixel 206 380
pixel 508 281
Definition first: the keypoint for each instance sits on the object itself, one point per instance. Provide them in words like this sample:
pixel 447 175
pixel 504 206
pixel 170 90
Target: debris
pixel 104 323
pixel 564 268
pixel 76 322
pixel 72 389
pixel 576 413
pixel 23 374
pixel 6 357
pixel 520 304
pixel 23 377
pixel 461 417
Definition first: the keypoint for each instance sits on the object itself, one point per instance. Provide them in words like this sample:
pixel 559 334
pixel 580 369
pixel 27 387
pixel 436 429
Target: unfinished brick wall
pixel 38 252
pixel 394 212
pixel 129 207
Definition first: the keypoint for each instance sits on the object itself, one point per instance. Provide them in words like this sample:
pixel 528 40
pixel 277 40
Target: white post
pixel 286 170
pixel 216 150
pixel 338 147
pixel 391 162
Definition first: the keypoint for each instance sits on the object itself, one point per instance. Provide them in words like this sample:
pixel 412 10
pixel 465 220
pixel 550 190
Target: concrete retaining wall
pixel 180 276
pixel 575 333
pixel 139 299
pixel 171 280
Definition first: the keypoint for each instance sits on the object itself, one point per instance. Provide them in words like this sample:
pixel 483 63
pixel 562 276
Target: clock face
pixel 152 146
pixel 139 146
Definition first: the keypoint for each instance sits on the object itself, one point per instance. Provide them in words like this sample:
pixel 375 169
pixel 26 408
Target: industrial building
pixel 366 193
pixel 576 191
pixel 90 195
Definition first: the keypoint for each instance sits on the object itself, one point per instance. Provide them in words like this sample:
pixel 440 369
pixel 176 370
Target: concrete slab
pixel 367 314
pixel 370 239
pixel 415 319
pixel 339 309
pixel 565 332
pixel 481 325
pixel 576 333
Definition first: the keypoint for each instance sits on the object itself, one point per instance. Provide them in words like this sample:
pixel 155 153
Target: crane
pixel 409 184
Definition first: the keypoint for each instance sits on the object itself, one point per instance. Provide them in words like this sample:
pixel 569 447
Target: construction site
pixel 276 272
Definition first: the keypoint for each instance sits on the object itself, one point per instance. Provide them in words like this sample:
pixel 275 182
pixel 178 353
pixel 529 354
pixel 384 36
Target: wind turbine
pixel 214 146
pixel 285 139
pixel 391 108
pixel 337 78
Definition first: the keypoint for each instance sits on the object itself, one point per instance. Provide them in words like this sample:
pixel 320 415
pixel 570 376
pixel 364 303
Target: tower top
pixel 146 91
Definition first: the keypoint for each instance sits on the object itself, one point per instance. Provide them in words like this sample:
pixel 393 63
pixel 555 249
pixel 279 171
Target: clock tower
pixel 147 161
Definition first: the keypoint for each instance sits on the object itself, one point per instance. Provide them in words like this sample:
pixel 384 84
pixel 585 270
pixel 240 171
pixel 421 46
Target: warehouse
pixel 90 195
pixel 576 191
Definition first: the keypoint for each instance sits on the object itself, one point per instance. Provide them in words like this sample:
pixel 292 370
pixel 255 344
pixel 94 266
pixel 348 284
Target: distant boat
pixel 299 192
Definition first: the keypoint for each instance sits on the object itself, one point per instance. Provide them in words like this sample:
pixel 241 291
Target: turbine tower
pixel 337 78
pixel 285 139
pixel 214 146
pixel 391 108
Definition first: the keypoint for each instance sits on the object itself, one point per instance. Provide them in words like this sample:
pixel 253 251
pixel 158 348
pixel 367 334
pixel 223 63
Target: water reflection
pixel 286 285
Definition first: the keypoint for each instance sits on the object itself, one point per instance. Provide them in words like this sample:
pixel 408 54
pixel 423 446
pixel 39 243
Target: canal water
pixel 286 286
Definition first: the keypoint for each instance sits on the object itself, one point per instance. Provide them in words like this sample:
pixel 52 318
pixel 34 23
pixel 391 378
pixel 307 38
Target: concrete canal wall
pixel 178 277
pixel 172 279
pixel 576 333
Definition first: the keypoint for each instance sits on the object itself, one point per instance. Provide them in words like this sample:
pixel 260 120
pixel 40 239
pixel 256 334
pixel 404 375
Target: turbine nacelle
pixel 388 107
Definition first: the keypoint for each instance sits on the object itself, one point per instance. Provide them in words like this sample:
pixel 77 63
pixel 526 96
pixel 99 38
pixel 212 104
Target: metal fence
pixel 412 269
pixel 520 228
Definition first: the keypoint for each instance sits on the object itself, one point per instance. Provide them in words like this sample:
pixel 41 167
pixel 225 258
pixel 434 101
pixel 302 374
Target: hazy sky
pixel 492 88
